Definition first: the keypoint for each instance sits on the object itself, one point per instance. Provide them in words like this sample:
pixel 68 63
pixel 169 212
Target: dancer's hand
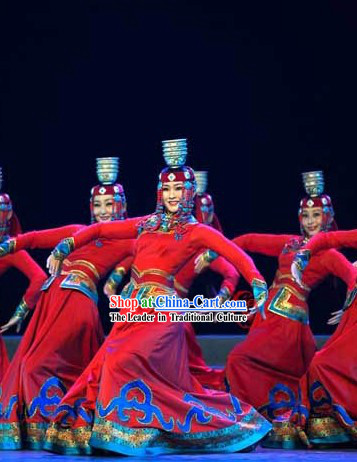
pixel 223 295
pixel 108 289
pixel 16 320
pixel 335 318
pixel 13 321
pixel 113 281
pixel 299 264
pixel 53 265
pixel 204 260
pixel 58 254
pixel 252 311
pixel 260 292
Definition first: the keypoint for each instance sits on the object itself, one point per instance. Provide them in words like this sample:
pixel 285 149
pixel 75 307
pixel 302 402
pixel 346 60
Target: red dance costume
pixel 24 263
pixel 265 369
pixel 204 213
pixel 63 336
pixel 328 414
pixel 207 376
pixel 137 396
pixel 10 226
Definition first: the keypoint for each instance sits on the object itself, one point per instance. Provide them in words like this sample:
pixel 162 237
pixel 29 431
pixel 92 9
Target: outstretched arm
pixel 332 240
pixel 230 277
pixel 126 229
pixel 204 236
pixel 45 239
pixel 321 241
pixel 24 263
pixel 266 244
pixel 337 264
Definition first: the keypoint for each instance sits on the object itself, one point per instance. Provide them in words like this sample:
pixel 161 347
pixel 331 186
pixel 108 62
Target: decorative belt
pixel 152 276
pixel 283 305
pixel 75 280
pixel 146 289
pixel 86 265
pixel 299 293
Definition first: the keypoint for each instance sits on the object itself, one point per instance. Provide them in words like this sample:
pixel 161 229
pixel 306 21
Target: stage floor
pixel 258 455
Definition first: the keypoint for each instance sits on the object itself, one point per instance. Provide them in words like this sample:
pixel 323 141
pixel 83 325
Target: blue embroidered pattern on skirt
pixel 123 404
pixel 43 400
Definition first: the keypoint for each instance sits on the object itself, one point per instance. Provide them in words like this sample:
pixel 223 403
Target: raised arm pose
pixel 327 414
pixel 137 396
pixel 204 213
pixel 266 367
pixel 10 227
pixel 65 331
pixel 331 240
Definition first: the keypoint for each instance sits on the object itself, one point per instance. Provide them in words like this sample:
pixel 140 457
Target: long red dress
pixel 24 263
pixel 138 386
pixel 62 337
pixel 266 367
pixel 328 412
pixel 207 376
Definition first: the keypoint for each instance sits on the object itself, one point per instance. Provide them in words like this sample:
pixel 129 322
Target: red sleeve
pixel 126 229
pixel 227 271
pixel 24 263
pixel 205 236
pixel 337 264
pixel 45 239
pixel 266 244
pixel 334 239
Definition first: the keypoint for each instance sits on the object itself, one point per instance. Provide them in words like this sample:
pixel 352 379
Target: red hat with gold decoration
pixel 314 186
pixel 175 153
pixel 107 173
pixel 8 226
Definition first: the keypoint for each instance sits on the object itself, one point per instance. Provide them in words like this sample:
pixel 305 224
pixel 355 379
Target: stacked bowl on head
pixel 107 169
pixel 201 181
pixel 175 152
pixel 314 182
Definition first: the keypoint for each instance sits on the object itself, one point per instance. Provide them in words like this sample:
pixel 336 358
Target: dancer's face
pixel 171 195
pixel 103 207
pixel 311 220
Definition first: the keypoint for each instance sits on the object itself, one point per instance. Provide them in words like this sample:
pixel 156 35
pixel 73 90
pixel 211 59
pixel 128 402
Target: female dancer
pixel 10 226
pixel 328 412
pixel 138 385
pixel 65 331
pixel 204 213
pixel 265 369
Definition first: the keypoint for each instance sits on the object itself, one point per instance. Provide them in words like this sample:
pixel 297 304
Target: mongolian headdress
pixel 175 153
pixel 314 186
pixel 107 173
pixel 8 226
